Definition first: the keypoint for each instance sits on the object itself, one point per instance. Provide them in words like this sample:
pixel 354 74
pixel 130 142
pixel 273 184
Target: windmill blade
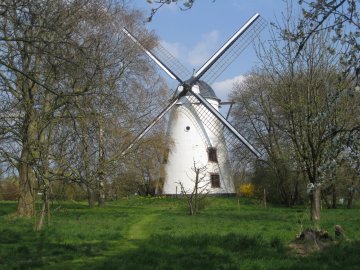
pixel 173 63
pixel 207 112
pixel 230 50
pixel 160 56
pixel 149 126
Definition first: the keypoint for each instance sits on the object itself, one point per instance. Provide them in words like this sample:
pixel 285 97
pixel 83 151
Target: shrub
pixel 9 190
pixel 247 190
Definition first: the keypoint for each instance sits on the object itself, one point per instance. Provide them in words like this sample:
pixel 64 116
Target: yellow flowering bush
pixel 247 189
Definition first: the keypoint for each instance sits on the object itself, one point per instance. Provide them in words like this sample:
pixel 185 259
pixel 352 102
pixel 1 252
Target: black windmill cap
pixel 206 91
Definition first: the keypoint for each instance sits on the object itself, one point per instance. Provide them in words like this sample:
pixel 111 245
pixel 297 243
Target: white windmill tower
pixel 197 131
pixel 195 145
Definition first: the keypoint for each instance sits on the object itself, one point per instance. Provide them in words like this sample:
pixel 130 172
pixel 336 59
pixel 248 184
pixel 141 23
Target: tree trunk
pixel 101 195
pixel 196 201
pixel 350 197
pixel 315 199
pixel 90 196
pixel 324 199
pixel 264 198
pixel 101 174
pixel 40 224
pixel 295 194
pixel 350 202
pixel 45 211
pixel 26 202
pixel 47 204
pixel 333 190
pixel 43 169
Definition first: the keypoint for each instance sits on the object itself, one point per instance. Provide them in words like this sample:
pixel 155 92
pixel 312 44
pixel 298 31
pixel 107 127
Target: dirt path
pixel 139 230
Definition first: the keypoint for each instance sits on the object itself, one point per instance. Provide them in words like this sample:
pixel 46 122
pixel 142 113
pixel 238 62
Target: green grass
pixel 156 233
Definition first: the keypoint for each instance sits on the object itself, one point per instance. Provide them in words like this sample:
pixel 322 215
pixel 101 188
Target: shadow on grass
pixel 7 207
pixel 230 251
pixel 343 255
pixel 29 249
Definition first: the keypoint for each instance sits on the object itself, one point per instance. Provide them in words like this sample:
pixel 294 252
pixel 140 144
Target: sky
pixel 193 36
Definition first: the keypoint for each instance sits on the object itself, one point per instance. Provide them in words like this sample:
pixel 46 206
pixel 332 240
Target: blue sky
pixel 193 36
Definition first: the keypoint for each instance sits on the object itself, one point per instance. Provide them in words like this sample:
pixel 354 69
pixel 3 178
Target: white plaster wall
pixel 190 146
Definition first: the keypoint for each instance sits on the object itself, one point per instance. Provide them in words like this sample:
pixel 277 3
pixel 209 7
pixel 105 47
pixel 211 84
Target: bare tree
pixel 66 72
pixel 301 107
pixel 199 192
pixel 42 54
pixel 256 114
pixel 341 19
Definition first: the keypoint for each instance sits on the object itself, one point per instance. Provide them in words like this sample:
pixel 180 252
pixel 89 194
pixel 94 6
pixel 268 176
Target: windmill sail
pixel 160 56
pixel 174 64
pixel 208 72
pixel 207 112
pixel 230 50
pixel 152 123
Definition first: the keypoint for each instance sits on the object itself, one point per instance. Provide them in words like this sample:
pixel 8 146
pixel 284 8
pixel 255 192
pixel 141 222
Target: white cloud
pixel 223 88
pixel 203 49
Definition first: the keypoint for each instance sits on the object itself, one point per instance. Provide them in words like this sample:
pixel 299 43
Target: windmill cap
pixel 206 91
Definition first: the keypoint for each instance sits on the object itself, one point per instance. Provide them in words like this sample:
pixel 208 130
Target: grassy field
pixel 156 233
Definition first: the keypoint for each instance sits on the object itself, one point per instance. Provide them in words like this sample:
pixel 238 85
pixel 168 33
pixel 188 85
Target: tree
pixel 341 19
pixel 196 195
pixel 185 5
pixel 61 63
pixel 42 54
pixel 105 120
pixel 301 107
pixel 142 172
pixel 255 114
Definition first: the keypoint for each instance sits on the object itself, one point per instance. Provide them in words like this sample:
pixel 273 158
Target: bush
pixel 9 190
pixel 247 190
pixel 287 190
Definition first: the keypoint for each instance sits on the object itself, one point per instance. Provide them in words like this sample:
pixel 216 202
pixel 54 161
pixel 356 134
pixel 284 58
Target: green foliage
pixel 288 190
pixel 155 233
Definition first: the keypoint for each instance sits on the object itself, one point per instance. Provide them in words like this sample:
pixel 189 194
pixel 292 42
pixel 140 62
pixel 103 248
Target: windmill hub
pixel 196 89
pixel 179 89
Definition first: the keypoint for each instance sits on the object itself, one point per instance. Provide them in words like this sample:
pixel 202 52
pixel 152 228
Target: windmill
pixel 197 130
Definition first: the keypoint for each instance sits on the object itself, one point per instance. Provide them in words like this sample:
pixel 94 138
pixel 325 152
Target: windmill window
pixel 187 128
pixel 215 180
pixel 212 154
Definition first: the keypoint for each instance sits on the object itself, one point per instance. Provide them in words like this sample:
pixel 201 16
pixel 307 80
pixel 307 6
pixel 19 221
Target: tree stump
pixel 338 231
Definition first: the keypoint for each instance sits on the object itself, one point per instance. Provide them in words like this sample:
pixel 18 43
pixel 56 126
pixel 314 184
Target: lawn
pixel 156 233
